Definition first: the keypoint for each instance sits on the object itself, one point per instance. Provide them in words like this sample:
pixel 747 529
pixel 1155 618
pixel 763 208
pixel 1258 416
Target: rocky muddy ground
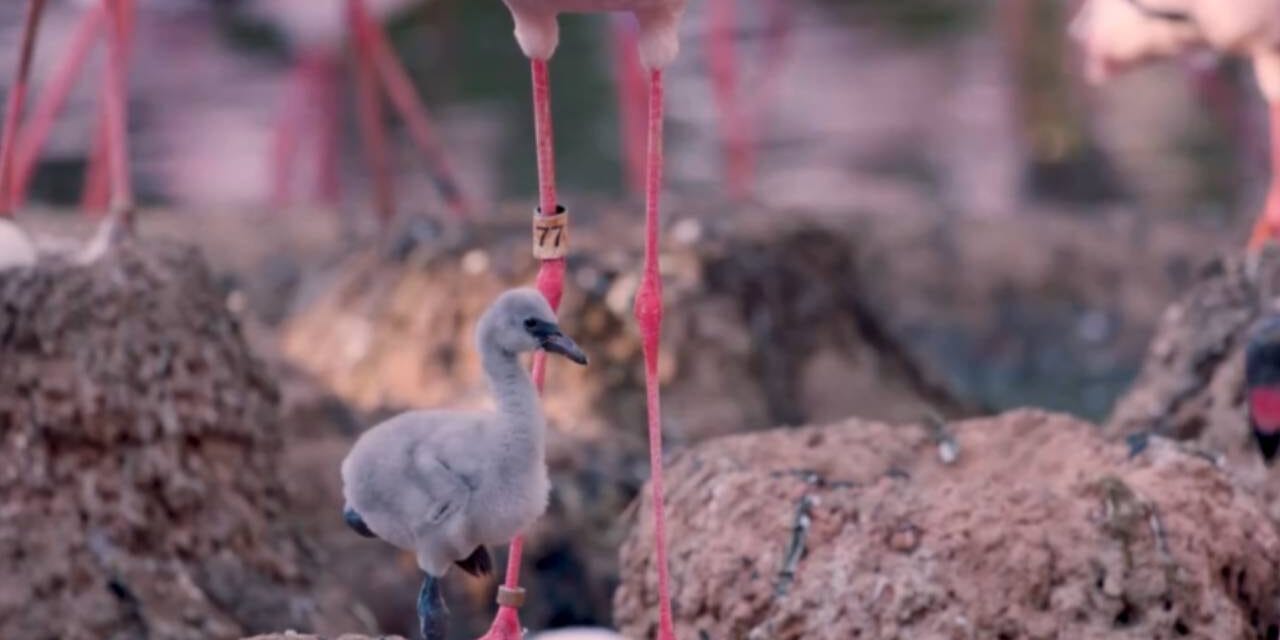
pixel 141 454
pixel 768 324
pixel 1040 529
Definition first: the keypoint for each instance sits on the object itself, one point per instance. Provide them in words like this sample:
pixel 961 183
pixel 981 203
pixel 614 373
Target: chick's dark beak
pixel 552 340
pixel 561 344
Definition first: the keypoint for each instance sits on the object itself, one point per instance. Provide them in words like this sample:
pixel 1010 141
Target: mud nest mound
pixel 1041 529
pixel 140 459
pixel 1192 380
pixel 1191 387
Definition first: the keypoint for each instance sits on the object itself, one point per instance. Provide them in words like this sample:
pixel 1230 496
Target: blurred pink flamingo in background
pixel 318 31
pixel 1117 34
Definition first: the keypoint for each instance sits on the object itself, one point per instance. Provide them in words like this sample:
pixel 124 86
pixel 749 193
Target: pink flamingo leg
pixel 1268 226
pixel 551 272
pixel 506 624
pixel 116 110
pixel 369 109
pixel 629 75
pixel 781 16
pixel 284 147
pixel 17 98
pixel 51 102
pixel 734 129
pixel 648 313
pixel 404 97
pixel 323 81
pixel 1220 97
pixel 97 191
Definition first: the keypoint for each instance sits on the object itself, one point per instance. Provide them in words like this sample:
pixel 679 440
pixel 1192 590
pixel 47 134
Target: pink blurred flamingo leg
pixel 121 214
pixel 369 111
pixel 780 18
pixel 51 101
pixel 17 99
pixel 328 98
pixel 1220 97
pixel 734 129
pixel 648 313
pixel 284 144
pixel 506 624
pixel 97 189
pixel 404 97
pixel 629 76
pixel 1267 227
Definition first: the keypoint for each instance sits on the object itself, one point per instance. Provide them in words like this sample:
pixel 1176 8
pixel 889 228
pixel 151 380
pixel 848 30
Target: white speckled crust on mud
pixel 1041 529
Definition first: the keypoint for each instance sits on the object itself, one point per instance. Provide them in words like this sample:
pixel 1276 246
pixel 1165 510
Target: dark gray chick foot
pixel 433 615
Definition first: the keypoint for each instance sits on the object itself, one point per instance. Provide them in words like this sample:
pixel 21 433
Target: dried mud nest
pixel 1041 529
pixel 139 453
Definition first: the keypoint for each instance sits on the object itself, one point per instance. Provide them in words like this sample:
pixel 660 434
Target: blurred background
pixel 863 109
pixel 927 190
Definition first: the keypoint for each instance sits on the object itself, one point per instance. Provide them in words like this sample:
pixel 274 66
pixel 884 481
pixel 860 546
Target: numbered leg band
pixel 551 234
pixel 508 597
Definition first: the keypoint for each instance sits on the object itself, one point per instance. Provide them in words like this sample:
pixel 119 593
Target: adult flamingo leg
pixel 284 144
pixel 629 76
pixel 735 130
pixel 1267 227
pixel 45 112
pixel 648 313
pixel 97 191
pixel 17 98
pixel 404 97
pixel 116 109
pixel 506 625
pixel 323 85
pixel 781 17
pixel 369 110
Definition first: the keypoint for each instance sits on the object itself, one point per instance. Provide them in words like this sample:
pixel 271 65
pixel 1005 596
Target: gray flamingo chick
pixel 444 484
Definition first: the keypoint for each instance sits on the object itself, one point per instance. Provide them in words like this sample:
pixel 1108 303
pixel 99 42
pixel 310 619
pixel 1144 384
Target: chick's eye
pixel 530 323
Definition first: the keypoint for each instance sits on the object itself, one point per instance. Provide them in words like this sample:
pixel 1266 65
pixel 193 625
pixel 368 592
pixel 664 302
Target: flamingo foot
pixel 506 626
pixel 111 233
pixel 1267 228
